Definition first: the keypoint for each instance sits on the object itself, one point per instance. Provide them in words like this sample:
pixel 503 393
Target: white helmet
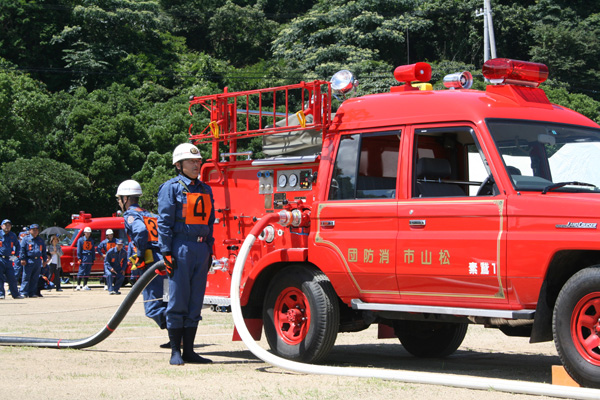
pixel 129 188
pixel 109 232
pixel 185 151
pixel 87 229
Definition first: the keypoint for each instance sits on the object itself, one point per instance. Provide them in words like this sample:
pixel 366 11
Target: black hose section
pixel 102 334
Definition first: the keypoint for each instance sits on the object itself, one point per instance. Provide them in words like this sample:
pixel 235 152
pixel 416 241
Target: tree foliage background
pixel 93 92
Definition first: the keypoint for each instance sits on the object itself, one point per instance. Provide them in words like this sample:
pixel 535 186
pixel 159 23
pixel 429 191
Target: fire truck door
pixel 452 230
pixel 357 225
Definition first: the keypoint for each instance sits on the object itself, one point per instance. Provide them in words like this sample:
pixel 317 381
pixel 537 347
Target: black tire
pixel 430 339
pixel 576 327
pixel 301 292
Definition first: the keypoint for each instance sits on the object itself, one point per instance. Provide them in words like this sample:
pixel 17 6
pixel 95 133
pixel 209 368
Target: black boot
pixel 189 335
pixel 175 341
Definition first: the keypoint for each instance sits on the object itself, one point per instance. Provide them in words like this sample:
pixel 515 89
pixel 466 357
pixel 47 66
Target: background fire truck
pixel 420 211
pixel 99 225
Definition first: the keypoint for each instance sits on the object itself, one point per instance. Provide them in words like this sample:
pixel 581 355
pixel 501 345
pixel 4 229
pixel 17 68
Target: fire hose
pixel 469 382
pixel 103 333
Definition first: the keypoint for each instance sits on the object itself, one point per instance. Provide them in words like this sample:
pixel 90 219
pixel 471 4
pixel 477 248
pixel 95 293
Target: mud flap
pixel 385 332
pixel 254 326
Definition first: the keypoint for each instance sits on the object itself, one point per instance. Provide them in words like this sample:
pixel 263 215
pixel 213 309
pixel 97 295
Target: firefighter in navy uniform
pixel 185 228
pixel 140 225
pixel 115 264
pixel 9 247
pixel 32 256
pixel 108 243
pixel 18 265
pixel 86 254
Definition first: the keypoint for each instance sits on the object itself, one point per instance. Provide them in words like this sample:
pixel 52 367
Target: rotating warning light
pixel 420 72
pixel 506 71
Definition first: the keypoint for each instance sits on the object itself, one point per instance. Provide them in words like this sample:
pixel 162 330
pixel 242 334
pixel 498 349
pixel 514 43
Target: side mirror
pixel 343 82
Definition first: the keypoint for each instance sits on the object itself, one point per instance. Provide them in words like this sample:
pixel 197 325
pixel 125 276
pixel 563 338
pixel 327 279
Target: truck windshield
pixel 67 240
pixel 544 156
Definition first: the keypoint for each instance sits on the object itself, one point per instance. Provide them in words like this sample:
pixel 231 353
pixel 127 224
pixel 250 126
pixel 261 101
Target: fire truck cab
pixel 420 211
pixel 99 226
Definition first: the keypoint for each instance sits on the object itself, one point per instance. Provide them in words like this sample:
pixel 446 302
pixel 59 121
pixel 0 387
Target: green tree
pixel 569 43
pixel 119 40
pixel 191 19
pixel 453 32
pixel 364 36
pixel 26 115
pixel 37 191
pixel 156 170
pixel 579 102
pixel 26 29
pixel 245 39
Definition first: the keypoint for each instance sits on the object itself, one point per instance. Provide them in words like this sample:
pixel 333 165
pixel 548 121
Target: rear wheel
pixel 430 339
pixel 576 327
pixel 301 314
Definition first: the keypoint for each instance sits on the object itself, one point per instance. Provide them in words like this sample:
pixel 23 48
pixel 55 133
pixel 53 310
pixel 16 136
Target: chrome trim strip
pixel 417 222
pixel 284 160
pixel 474 312
pixel 217 300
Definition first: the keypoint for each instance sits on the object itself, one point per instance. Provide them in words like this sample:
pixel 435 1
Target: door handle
pixel 417 223
pixel 327 224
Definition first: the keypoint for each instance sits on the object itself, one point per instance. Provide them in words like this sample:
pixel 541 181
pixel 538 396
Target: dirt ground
pixel 129 364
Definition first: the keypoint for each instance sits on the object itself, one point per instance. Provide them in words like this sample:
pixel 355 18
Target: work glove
pixel 161 272
pixel 136 263
pixel 170 264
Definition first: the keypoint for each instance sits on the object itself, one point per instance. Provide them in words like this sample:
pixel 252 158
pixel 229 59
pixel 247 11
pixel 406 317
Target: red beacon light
pixel 515 72
pixel 418 72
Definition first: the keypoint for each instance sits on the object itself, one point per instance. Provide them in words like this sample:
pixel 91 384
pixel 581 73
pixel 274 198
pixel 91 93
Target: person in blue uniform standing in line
pixel 9 247
pixel 32 256
pixel 140 225
pixel 115 264
pixel 108 243
pixel 86 254
pixel 185 229
pixel 18 266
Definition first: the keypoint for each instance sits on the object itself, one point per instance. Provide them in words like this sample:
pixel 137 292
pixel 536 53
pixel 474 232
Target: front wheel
pixel 301 314
pixel 430 339
pixel 576 327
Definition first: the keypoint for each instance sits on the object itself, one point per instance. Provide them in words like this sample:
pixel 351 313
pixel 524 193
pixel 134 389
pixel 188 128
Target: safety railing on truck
pixel 259 112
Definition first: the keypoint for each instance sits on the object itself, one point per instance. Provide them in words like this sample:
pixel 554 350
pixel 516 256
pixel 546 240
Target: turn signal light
pixel 506 71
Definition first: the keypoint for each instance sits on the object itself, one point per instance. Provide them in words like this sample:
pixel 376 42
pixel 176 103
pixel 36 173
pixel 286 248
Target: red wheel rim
pixel 292 316
pixel 585 327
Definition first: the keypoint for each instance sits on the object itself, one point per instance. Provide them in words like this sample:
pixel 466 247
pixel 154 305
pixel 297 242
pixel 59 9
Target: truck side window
pixel 448 162
pixel 366 167
pixel 96 236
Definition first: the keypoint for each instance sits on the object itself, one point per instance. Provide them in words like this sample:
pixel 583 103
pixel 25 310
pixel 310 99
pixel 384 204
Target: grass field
pixel 130 364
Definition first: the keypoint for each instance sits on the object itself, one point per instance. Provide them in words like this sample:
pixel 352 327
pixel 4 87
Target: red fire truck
pixel 422 211
pixel 99 225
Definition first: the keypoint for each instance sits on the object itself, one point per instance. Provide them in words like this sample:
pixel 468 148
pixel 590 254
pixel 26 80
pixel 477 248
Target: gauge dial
pixel 282 180
pixel 293 180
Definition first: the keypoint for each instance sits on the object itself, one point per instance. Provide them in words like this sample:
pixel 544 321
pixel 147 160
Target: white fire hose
pixel 459 381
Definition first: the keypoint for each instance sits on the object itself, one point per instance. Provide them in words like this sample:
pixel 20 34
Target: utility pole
pixel 489 41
